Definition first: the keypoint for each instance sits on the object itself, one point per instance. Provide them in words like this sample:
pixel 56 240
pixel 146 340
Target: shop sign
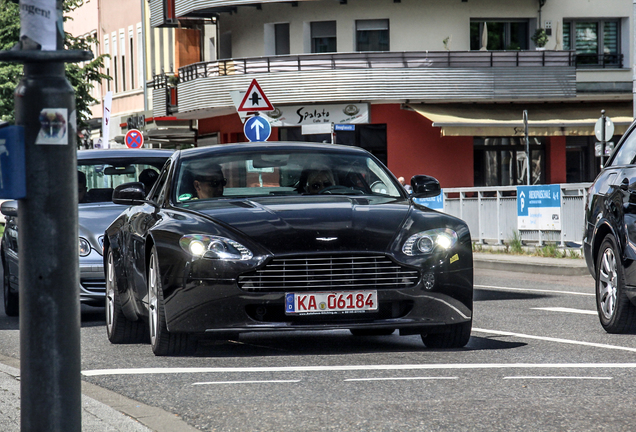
pixel 299 115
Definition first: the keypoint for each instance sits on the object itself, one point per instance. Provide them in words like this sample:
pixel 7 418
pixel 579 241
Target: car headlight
pixel 84 247
pixel 426 242
pixel 201 245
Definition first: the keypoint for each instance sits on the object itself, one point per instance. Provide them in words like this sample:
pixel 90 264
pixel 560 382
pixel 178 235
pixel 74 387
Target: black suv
pixel 609 242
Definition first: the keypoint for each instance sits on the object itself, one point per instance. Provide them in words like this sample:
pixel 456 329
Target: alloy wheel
pixel 110 293
pixel 153 317
pixel 608 278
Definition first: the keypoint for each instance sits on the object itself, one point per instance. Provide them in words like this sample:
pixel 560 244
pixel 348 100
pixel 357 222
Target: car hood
pixel 94 218
pixel 313 224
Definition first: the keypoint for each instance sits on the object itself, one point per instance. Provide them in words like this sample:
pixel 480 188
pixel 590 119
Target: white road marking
pixel 532 290
pixel 551 339
pixel 557 378
pixel 568 310
pixel 400 379
pixel 245 382
pixel 451 366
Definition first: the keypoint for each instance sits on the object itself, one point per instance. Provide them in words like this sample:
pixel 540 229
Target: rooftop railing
pixel 377 60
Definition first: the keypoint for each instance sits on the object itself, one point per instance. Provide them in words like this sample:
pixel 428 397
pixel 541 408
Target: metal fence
pixel 377 60
pixel 491 214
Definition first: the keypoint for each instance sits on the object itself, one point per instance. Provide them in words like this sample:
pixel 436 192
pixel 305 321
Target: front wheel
pixel 11 304
pixel 454 336
pixel 162 341
pixel 120 329
pixel 616 313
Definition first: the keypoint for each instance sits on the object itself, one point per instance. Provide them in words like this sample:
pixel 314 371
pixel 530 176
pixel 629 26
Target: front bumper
pixel 92 280
pixel 219 306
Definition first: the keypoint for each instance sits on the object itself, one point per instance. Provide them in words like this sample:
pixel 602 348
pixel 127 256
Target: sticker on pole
pixel 255 100
pixel 53 126
pixel 257 129
pixel 134 139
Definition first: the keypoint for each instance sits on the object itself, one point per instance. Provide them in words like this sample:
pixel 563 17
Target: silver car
pixel 99 172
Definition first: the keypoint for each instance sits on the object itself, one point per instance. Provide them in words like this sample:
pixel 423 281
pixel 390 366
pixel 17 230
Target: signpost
pixel 50 361
pixel 134 139
pixel 603 130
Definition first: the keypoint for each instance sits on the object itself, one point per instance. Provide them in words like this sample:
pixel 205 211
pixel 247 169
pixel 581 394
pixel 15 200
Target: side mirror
pixel 9 208
pixel 425 186
pixel 132 193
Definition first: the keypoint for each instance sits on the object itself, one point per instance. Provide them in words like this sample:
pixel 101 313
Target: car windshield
pixel 296 172
pixel 101 178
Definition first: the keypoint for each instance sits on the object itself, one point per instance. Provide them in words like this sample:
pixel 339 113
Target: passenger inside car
pixel 148 177
pixel 315 179
pixel 81 186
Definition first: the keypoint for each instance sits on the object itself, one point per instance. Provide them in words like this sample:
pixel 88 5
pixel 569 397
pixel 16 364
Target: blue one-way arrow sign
pixel 257 129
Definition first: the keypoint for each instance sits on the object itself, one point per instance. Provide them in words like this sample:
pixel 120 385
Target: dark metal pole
pixel 603 138
pixel 48 250
pixel 528 155
pixel 50 384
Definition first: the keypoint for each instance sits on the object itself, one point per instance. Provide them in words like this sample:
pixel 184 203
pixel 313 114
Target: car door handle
pixel 624 184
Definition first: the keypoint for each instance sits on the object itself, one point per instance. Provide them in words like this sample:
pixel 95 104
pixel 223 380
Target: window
pixel 107 61
pixel 323 37
pixel 115 78
pixel 281 38
pixel 132 57
pixel 122 42
pixel 371 137
pixel 596 42
pixel 140 57
pixel 503 161
pixel 372 35
pixel 500 34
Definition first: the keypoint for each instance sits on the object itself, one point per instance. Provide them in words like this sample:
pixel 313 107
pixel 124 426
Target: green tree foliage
pixel 82 77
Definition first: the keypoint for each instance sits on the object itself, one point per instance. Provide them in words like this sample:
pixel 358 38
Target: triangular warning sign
pixel 255 100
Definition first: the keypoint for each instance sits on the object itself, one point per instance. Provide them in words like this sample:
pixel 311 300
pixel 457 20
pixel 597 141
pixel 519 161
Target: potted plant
pixel 173 80
pixel 540 38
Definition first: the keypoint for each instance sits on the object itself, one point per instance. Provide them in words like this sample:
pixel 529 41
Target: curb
pixel 553 267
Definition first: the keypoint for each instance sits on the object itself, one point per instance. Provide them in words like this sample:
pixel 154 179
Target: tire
pixel 454 336
pixel 163 342
pixel 11 303
pixel 120 330
pixel 616 313
pixel 372 332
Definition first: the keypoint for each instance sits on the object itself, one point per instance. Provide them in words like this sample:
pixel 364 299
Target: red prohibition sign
pixel 134 139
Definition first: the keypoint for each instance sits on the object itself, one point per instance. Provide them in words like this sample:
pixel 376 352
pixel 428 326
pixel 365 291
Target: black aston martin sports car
pixel 283 236
pixel 99 171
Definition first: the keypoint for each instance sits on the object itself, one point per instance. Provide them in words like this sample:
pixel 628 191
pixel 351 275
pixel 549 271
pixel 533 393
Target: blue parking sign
pixel 539 207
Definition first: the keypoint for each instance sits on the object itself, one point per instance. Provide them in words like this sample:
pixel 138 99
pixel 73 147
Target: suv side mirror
pixel 425 186
pixel 132 193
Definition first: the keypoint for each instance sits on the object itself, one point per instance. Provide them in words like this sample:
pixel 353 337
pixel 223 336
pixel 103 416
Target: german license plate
pixel 331 302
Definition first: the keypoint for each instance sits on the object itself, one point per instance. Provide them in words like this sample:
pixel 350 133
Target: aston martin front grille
pixel 329 273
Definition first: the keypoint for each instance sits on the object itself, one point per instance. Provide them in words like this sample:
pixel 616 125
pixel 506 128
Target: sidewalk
pixel 102 410
pixel 531 264
pixel 106 411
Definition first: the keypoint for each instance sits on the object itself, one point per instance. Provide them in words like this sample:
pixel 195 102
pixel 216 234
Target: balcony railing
pixel 377 60
pixel 613 61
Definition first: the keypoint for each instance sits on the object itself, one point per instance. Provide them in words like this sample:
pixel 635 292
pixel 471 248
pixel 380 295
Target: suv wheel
pixel 616 313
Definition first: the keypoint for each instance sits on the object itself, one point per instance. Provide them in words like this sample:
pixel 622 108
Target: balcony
pixel 204 88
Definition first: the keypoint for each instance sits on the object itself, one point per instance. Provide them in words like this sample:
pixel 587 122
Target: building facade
pixel 428 86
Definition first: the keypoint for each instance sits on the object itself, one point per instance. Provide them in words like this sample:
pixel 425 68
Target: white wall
pixel 414 24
